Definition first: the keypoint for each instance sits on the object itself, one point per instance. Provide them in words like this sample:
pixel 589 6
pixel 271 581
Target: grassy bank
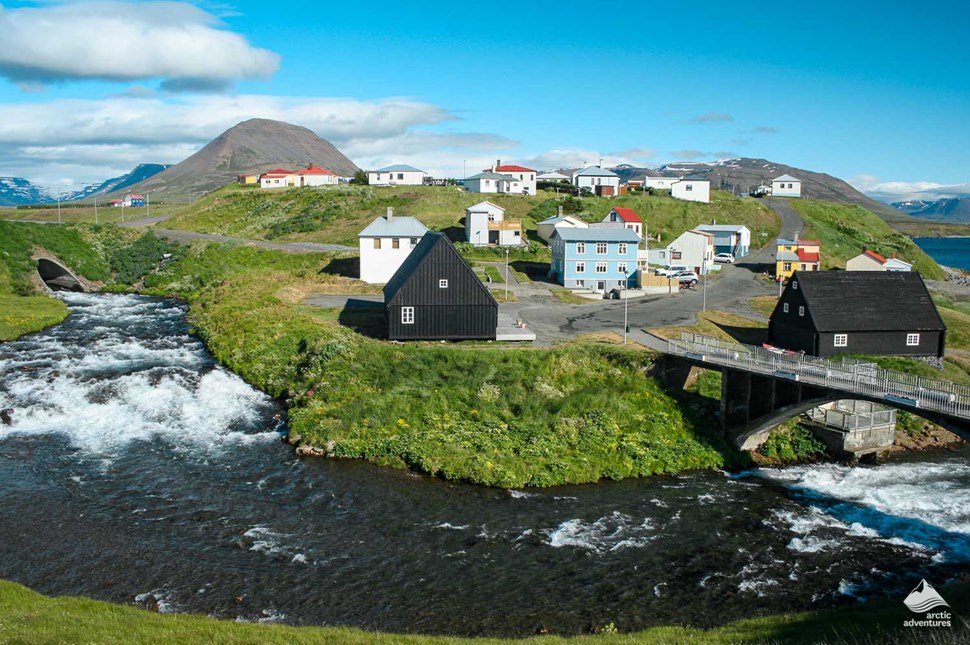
pixel 31 618
pixel 845 230
pixel 469 412
pixel 337 214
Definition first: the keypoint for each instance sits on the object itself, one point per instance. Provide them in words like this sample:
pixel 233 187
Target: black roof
pixel 429 242
pixel 868 301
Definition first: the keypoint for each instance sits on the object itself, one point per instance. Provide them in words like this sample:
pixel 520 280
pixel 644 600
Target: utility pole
pixel 704 297
pixel 626 310
pixel 148 203
pixel 95 209
pixel 506 274
pixel 58 208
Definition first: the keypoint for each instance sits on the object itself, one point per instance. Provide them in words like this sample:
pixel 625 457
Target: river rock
pixel 6 416
pixel 304 450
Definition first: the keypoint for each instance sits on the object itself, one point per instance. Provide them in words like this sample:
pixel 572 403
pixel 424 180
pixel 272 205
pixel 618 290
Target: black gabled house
pixel 857 312
pixel 435 295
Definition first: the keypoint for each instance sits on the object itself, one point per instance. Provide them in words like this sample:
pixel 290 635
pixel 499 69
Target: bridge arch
pixel 56 276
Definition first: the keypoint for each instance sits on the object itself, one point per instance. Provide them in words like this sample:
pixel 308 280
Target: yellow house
pixel 247 179
pixel 796 255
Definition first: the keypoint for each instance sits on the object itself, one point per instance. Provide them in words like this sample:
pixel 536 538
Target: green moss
pixel 791 443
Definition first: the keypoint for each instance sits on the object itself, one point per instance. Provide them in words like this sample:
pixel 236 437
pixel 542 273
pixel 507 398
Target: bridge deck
pixel 849 376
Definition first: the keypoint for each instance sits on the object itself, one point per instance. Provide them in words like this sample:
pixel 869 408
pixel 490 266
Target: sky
pixel 876 93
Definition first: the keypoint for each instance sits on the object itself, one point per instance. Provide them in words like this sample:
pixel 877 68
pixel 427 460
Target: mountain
pixel 16 191
pixel 953 209
pixel 250 147
pixel 140 173
pixel 744 174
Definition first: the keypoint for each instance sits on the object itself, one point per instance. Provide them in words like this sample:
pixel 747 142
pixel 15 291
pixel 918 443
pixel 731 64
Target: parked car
pixel 686 277
pixel 670 270
pixel 724 257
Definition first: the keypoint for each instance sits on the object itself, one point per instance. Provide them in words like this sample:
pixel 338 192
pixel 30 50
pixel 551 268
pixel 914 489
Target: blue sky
pixel 875 93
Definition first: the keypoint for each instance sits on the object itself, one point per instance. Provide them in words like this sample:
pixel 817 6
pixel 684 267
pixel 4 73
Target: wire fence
pixel 846 375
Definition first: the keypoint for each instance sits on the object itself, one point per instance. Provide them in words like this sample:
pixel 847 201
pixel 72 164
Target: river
pixel 139 471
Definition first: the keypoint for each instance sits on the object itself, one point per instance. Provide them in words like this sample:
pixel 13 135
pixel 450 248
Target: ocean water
pixel 951 252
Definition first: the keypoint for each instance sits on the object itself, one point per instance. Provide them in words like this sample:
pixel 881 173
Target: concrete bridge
pixel 763 388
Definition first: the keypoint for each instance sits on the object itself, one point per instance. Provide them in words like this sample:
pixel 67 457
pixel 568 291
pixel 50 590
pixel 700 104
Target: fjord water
pixel 139 471
pixel 953 252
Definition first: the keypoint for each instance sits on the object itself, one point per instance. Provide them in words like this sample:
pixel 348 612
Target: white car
pixel 724 257
pixel 671 270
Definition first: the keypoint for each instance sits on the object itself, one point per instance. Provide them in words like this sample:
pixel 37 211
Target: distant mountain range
pixel 954 210
pixel 118 184
pixel 16 191
pixel 744 174
pixel 250 147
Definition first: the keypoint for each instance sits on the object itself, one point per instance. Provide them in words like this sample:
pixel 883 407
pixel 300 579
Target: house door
pixel 600 285
pixel 493 237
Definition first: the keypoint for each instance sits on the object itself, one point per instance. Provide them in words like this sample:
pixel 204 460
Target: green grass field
pixel 29 618
pixel 846 230
pixel 337 214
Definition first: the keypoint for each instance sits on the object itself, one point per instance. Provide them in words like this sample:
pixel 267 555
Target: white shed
pixel 692 190
pixel 786 186
pixel 396 175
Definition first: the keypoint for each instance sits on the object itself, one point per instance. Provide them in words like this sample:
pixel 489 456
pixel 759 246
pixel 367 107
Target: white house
pixel 659 183
pixel 694 249
pixel 598 181
pixel 546 227
pixel 385 244
pixel 729 238
pixel 895 264
pixel 277 178
pixel 872 261
pixel 692 190
pixel 485 225
pixel 786 186
pixel 396 175
pixel 626 217
pixel 492 182
pixel 526 177
pixel 315 176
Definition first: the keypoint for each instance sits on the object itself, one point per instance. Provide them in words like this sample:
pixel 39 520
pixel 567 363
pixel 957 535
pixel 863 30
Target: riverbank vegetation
pixel 30 618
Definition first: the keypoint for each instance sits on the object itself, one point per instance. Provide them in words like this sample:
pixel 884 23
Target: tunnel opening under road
pixel 57 277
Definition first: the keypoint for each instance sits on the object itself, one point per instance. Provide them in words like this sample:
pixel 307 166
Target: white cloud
pixel 899 191
pixel 177 42
pixel 713 117
pixel 94 139
pixel 579 158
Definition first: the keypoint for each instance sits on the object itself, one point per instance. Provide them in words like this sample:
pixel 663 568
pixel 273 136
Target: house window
pixel 601 267
pixel 689 187
pixel 601 248
pixel 491 217
pixel 414 241
pixel 580 267
pixel 407 315
pixel 395 243
pixel 794 285
pixel 912 340
pixel 400 175
pixel 517 234
pixel 580 283
pixel 784 307
pixel 377 242
pixel 786 266
pixel 801 310
pixel 622 248
pixel 841 340
pixel 663 254
pixel 443 283
pixel 621 268
pixel 581 248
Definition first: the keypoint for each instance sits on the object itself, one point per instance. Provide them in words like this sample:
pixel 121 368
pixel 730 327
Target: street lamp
pixel 506 274
pixel 626 309
pixel 704 289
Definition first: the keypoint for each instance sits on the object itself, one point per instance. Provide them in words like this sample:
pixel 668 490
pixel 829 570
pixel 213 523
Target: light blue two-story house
pixel 598 258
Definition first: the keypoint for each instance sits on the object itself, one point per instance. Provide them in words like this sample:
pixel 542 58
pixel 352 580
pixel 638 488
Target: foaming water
pixel 139 471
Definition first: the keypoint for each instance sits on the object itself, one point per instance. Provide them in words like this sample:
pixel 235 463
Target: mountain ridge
pixel 949 209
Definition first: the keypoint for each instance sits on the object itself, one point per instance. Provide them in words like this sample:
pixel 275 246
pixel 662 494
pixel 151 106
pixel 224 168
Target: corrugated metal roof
pixel 728 228
pixel 398 168
pixel 395 227
pixel 786 178
pixel 492 175
pixel 482 207
pixel 604 234
pixel 845 301
pixel 786 256
pixel 595 171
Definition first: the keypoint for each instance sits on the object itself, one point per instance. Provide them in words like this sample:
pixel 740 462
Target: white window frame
pixel 581 248
pixel 912 340
pixel 601 267
pixel 580 267
pixel 407 315
pixel 794 285
pixel 621 268
pixel 621 247
pixel 602 248
pixel 784 307
pixel 840 340
pixel 801 310
pixel 443 283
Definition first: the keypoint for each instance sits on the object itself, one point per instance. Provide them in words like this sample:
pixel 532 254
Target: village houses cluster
pixel 431 292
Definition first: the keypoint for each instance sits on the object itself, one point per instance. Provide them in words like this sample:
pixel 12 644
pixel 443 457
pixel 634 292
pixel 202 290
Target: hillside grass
pixel 337 214
pixel 846 230
pixel 472 412
pixel 76 213
pixel 30 618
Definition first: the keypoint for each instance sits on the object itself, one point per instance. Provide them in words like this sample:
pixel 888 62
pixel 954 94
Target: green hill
pixel 846 230
pixel 335 215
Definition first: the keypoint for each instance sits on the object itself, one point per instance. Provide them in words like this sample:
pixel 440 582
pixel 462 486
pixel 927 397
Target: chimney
pixel 796 238
pixel 390 214
pixel 498 162
pixel 713 222
pixel 560 210
pixel 893 256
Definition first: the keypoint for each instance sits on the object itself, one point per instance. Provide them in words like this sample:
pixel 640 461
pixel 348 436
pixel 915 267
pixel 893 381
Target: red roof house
pixel 626 216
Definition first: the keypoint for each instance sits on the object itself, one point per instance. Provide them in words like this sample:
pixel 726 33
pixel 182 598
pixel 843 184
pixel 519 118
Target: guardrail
pixel 847 375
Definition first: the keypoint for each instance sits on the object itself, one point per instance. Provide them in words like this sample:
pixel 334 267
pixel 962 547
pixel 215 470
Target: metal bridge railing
pixel 846 375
